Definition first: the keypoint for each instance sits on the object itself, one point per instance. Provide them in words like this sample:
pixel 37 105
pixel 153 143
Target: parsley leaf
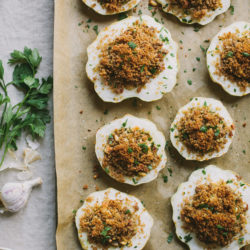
pixel 31 113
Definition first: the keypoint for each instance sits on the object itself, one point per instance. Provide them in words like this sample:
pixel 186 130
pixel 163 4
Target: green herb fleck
pixel 189 82
pixel 231 9
pixel 95 28
pixel 158 107
pixel 134 180
pixel 132 45
pixel 124 123
pixel 170 238
pixel 122 16
pixel 130 150
pixel 165 178
pixel 230 54
pixel 241 240
pixel 203 128
pixel 187 238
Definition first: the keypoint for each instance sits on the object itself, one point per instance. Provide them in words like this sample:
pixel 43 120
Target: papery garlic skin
pixel 14 196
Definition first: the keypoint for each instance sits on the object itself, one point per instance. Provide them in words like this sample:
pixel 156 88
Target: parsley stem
pixel 4 154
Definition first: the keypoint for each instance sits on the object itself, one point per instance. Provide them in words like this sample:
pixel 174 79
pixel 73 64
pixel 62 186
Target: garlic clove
pixel 32 143
pixel 30 156
pixel 14 196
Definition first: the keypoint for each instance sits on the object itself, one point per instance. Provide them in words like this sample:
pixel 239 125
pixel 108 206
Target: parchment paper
pixel 79 112
pixel 30 23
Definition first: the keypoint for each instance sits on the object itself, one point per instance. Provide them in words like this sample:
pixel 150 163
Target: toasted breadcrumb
pixel 109 224
pixel 113 5
pixel 132 59
pixel 234 61
pixel 196 8
pixel 130 152
pixel 203 131
pixel 215 213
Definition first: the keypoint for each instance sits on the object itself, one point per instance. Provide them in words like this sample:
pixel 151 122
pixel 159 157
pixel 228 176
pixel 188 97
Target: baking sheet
pixel 79 112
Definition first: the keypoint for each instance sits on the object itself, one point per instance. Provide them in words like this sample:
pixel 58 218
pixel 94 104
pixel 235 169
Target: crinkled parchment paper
pixel 79 112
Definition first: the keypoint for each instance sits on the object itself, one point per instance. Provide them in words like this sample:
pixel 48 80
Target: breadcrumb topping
pixel 130 152
pixel 132 59
pixel 197 8
pixel 234 61
pixel 113 5
pixel 203 131
pixel 215 213
pixel 110 223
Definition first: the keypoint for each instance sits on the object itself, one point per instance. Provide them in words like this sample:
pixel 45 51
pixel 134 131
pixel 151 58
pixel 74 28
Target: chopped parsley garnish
pixel 144 148
pixel 170 171
pixel 164 39
pixel 134 180
pixel 219 227
pixel 231 9
pixel 158 107
pixel 242 184
pixel 230 54
pixel 165 178
pixel 105 112
pixel 122 16
pixel 149 167
pixel 194 69
pixel 245 54
pixel 170 67
pixel 241 240
pixel 170 238
pixel 198 59
pixel 142 68
pixel 229 181
pixel 130 150
pixel 84 148
pixel 189 82
pixel 74 212
pixel 172 129
pixel 187 238
pixel 106 170
pixel 203 49
pixel 132 45
pixel 217 132
pixel 205 104
pixel 196 28
pixel 125 123
pixel 204 171
pixel 203 129
pixel 104 232
pixel 95 28
pixel 127 211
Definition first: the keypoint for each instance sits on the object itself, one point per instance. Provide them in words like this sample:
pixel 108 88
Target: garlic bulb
pixel 14 196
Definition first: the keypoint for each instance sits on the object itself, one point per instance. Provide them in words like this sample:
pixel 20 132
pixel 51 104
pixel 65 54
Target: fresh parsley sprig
pixel 30 114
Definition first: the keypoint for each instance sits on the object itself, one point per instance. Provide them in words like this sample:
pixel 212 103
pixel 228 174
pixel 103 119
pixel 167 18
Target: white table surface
pixel 30 23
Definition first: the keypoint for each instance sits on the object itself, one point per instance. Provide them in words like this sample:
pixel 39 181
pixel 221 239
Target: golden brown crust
pixel 196 8
pixel 132 59
pixel 215 213
pixel 110 223
pixel 203 131
pixel 130 152
pixel 234 61
pixel 113 5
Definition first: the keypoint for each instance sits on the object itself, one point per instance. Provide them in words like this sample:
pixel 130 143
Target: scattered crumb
pixel 85 186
